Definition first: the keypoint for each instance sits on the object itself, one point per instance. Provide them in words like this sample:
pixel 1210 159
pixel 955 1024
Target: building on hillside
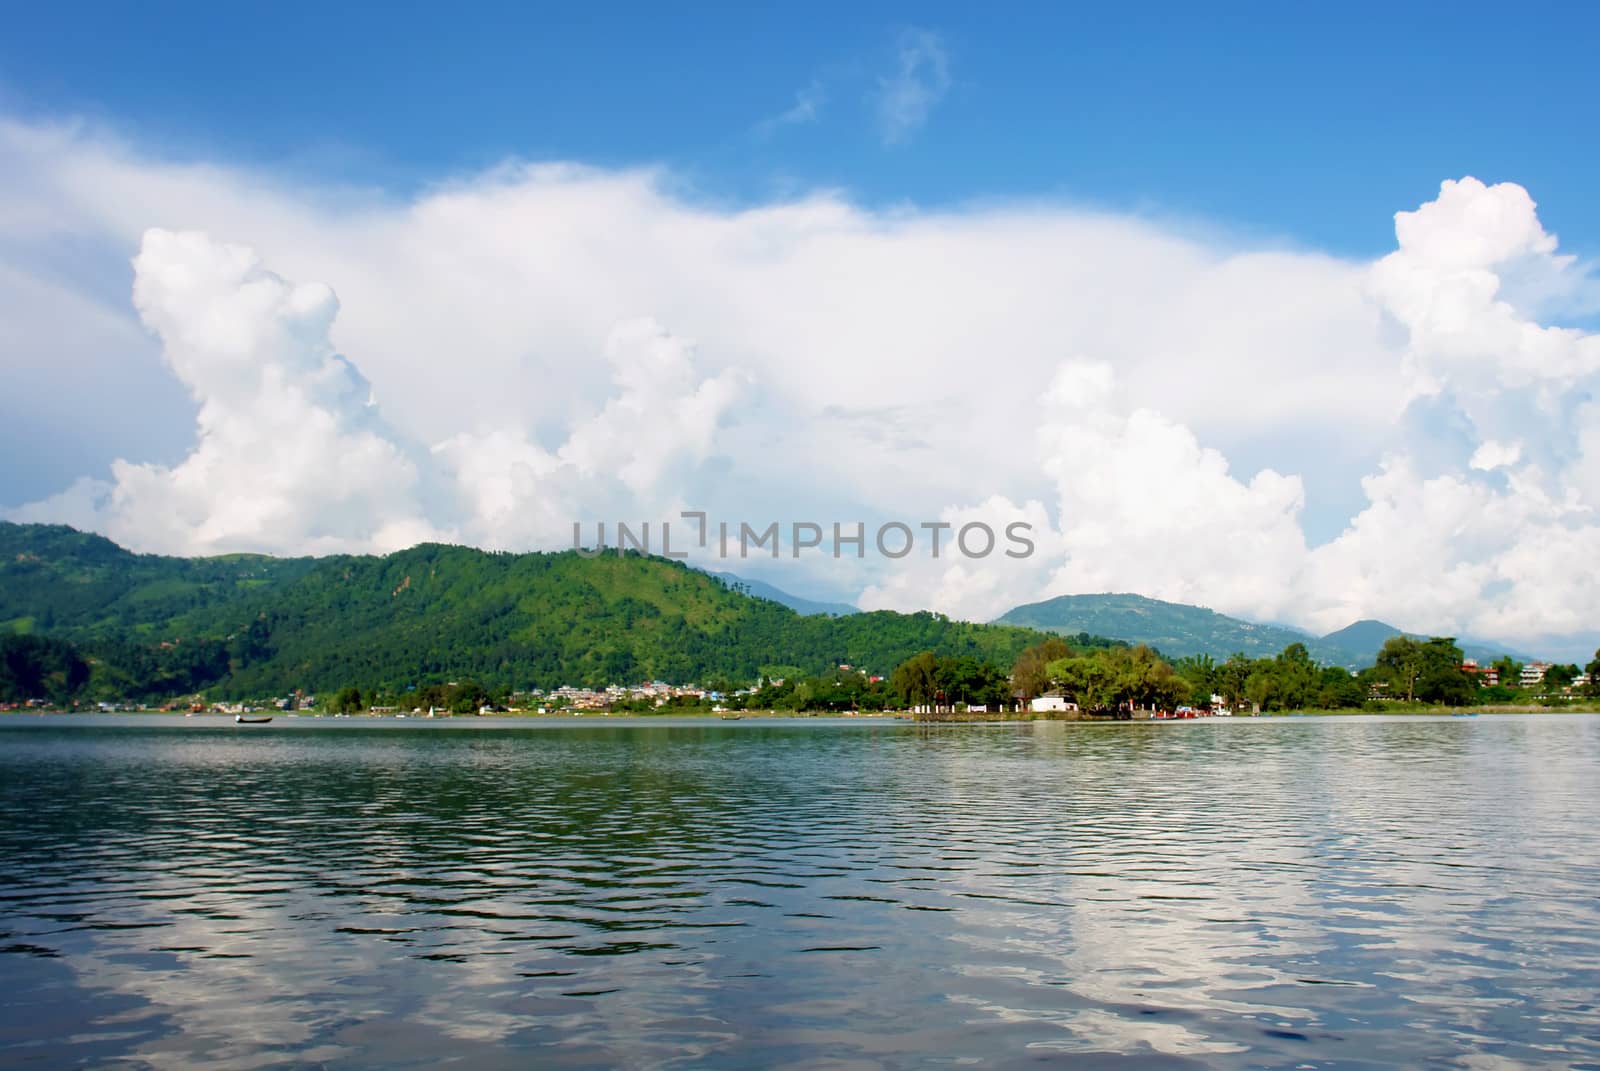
pixel 1486 676
pixel 1533 674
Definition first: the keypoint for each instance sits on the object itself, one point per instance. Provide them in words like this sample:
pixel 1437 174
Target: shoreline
pixel 788 715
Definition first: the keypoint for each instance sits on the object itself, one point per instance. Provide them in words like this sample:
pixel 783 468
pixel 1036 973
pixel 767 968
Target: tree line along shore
pixel 1056 677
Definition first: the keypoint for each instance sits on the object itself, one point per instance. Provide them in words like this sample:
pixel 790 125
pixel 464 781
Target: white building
pixel 1053 702
pixel 1533 674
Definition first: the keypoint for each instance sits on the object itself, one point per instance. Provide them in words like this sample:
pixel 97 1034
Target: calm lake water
pixel 1315 893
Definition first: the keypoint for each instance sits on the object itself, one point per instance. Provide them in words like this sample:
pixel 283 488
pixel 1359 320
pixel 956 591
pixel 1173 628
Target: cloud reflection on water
pixel 793 894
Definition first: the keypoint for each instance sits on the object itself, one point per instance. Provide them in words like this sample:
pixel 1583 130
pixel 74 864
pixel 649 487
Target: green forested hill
pixel 247 625
pixel 1173 628
pixel 1354 645
pixel 56 579
pixel 1179 630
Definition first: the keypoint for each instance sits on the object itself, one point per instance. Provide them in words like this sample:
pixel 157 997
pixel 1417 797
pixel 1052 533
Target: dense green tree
pixel 1291 680
pixel 467 697
pixel 126 668
pixel 1115 678
pixel 1442 679
pixel 916 680
pixel 1203 675
pixel 38 667
pixel 1338 688
pixel 1030 674
pixel 1509 671
pixel 1296 677
pixel 1558 678
pixel 835 692
pixel 940 684
pixel 1233 676
pixel 1426 670
pixel 1400 665
pixel 250 645
pixel 1261 688
pixel 971 681
pixel 1087 680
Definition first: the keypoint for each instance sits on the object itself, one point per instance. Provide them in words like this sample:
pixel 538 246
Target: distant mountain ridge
pixel 1369 635
pixel 1179 630
pixel 1176 629
pixel 760 589
pixel 1365 635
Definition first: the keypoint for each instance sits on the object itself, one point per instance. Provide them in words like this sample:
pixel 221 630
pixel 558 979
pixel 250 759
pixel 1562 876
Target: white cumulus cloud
pixel 630 461
pixel 289 454
pixel 1279 433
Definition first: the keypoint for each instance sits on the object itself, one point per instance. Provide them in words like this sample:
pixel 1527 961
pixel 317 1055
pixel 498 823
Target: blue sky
pixel 1310 123
pixel 1257 307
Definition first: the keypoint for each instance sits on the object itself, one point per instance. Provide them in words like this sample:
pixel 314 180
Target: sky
pixel 1288 313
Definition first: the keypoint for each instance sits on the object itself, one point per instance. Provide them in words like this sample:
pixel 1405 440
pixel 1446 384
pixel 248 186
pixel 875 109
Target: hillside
pixel 1173 628
pixel 1358 641
pixel 1177 630
pixel 57 579
pixel 432 613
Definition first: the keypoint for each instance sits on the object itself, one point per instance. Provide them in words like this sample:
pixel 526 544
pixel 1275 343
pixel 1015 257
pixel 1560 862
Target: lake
pixel 1336 892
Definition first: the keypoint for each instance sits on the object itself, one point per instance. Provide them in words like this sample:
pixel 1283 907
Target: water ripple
pixel 1318 892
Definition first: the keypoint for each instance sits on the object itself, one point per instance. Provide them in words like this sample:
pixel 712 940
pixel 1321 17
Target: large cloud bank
pixel 1268 431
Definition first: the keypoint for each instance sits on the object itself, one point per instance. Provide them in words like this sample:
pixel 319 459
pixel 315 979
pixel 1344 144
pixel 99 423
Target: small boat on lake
pixel 247 719
pixel 733 717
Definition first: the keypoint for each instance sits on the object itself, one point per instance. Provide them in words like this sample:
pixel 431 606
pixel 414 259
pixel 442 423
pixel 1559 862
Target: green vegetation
pixel 1290 680
pixel 1174 628
pixel 1119 678
pixel 1181 631
pixel 36 667
pixel 945 683
pixel 458 629
pixel 57 580
pixel 1429 671
pixel 1407 673
pixel 250 627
